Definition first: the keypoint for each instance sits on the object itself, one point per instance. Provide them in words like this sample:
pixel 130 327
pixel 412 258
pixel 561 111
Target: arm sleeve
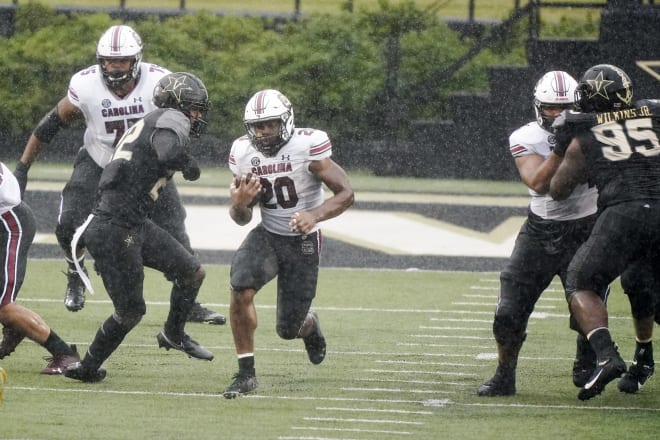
pixel 171 154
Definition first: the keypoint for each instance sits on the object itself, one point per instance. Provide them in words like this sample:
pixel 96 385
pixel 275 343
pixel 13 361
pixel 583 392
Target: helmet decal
pixel 599 86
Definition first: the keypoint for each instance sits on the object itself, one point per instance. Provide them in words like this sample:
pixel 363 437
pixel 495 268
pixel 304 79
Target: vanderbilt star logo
pixel 176 85
pixel 129 240
pixel 599 86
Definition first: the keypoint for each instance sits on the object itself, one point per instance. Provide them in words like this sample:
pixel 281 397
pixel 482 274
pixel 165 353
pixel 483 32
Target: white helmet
pixel 555 89
pixel 268 105
pixel 120 42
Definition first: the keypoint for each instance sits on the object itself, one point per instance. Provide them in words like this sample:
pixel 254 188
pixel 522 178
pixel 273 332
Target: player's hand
pixel 191 171
pixel 302 222
pixel 245 190
pixel 21 173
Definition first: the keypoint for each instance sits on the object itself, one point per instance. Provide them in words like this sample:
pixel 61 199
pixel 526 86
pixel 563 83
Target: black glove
pixel 563 137
pixel 191 171
pixel 21 173
pixel 563 134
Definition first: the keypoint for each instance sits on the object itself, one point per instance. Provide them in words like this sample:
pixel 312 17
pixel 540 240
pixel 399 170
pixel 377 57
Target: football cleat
pixel 78 372
pixel 199 313
pixel 498 385
pixel 74 299
pixel 244 383
pixel 187 345
pixel 57 364
pixel 315 342
pixel 637 375
pixel 607 369
pixel 10 340
pixel 584 363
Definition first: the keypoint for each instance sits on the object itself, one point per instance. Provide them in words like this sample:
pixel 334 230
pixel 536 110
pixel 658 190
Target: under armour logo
pixel 138 99
pixel 286 157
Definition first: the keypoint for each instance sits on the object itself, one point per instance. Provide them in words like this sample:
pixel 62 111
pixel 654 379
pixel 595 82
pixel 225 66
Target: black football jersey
pixel 622 150
pixel 144 161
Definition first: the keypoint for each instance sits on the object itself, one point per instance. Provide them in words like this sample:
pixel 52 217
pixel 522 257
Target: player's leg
pixel 253 265
pixel 170 214
pixel 76 203
pixel 162 252
pixel 639 283
pixel 296 289
pixel 117 258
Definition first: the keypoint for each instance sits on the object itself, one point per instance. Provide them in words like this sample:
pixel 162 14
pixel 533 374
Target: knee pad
pixel 191 281
pixel 287 331
pixel 128 320
pixel 509 332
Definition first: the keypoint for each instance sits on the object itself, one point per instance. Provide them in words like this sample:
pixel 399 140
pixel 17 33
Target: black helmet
pixel 603 88
pixel 184 92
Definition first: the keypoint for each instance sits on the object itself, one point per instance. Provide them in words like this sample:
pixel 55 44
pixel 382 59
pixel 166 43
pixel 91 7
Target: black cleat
pixel 315 342
pixel 243 383
pixel 199 313
pixel 78 372
pixel 10 340
pixel 187 345
pixel 497 386
pixel 637 375
pixel 607 369
pixel 584 364
pixel 74 298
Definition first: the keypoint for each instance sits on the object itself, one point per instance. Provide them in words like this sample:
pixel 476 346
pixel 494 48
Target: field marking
pixel 395 390
pixel 375 410
pixel 341 419
pixel 370 431
pixel 221 398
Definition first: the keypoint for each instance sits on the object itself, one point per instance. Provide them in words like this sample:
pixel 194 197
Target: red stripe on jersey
pixel 517 150
pixel 14 234
pixel 232 160
pixel 73 94
pixel 322 148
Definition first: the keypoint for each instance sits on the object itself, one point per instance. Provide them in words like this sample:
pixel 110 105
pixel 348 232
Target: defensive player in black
pixel 614 145
pixel 121 237
pixel 110 96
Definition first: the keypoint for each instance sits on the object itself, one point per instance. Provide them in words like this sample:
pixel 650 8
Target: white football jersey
pixel 289 185
pixel 106 115
pixel 10 192
pixel 533 139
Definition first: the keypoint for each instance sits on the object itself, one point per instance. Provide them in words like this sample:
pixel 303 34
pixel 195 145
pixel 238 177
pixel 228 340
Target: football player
pixel 120 235
pixel 283 169
pixel 111 96
pixel 551 234
pixel 17 229
pixel 613 144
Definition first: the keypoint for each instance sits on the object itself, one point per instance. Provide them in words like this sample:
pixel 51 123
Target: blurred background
pixel 404 88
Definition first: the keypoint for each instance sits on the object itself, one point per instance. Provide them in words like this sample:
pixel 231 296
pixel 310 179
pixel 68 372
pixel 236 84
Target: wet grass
pixel 407 350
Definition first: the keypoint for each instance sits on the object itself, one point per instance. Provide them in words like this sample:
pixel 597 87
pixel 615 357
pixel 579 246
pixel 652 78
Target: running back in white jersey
pixel 107 116
pixel 289 185
pixel 532 139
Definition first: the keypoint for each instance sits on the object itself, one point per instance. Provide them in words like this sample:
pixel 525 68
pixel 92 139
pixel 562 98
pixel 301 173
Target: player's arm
pixel 244 191
pixel 569 173
pixel 172 155
pixel 336 180
pixel 536 171
pixel 60 116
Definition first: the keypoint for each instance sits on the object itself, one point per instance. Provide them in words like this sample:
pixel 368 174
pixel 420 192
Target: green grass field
pixel 406 351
